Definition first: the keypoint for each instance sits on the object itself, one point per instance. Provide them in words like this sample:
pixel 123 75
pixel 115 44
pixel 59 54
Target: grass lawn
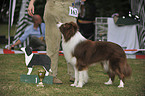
pixel 12 66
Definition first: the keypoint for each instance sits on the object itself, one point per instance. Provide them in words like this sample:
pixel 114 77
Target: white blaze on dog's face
pixel 27 50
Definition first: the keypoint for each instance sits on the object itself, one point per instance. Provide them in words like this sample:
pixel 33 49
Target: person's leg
pixel 53 13
pixel 66 18
pixel 52 39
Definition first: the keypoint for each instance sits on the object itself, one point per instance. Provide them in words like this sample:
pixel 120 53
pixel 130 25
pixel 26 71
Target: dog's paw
pixel 79 86
pixel 108 83
pixel 73 85
pixel 120 86
pixel 47 73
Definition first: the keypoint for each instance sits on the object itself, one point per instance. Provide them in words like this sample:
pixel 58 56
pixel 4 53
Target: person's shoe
pixel 56 81
pixel 72 79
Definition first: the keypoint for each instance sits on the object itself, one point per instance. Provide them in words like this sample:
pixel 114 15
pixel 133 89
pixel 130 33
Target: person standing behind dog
pixel 36 32
pixel 55 11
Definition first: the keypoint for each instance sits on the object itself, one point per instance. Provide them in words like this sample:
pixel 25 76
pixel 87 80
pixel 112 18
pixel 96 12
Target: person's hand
pixel 31 8
pixel 12 47
pixel 83 0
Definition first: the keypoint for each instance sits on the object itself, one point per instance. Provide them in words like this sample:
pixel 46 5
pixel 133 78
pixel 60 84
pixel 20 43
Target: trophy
pixel 41 75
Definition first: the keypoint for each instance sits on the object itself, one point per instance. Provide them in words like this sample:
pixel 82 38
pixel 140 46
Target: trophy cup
pixel 41 75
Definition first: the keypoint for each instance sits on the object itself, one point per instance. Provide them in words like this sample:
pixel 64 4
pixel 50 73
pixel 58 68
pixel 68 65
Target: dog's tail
pixel 127 71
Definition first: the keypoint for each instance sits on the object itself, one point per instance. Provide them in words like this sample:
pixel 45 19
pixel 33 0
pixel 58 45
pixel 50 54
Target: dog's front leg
pixel 81 79
pixel 76 77
pixel 85 76
pixel 29 71
pixel 47 73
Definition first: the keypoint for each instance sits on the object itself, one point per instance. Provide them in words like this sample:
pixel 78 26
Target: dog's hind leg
pixel 111 77
pixel 105 65
pixel 121 84
pixel 29 71
pixel 121 76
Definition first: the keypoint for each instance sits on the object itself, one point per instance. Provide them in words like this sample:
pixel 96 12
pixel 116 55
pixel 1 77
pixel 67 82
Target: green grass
pixel 12 66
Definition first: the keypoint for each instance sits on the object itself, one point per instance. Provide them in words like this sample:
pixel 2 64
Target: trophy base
pixel 40 85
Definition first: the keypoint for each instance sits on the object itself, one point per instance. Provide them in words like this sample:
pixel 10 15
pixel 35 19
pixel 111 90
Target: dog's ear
pixel 74 25
pixel 28 50
pixel 68 30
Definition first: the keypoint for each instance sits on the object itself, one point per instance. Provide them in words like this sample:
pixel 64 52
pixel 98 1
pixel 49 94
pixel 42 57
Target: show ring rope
pixel 7 51
pixel 130 56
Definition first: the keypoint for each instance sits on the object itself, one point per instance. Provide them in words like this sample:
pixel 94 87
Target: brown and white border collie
pixel 81 53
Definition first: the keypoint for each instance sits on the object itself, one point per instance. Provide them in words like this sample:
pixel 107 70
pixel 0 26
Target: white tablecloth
pixel 125 36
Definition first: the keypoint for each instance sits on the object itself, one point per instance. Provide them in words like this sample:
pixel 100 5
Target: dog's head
pixel 27 50
pixel 68 29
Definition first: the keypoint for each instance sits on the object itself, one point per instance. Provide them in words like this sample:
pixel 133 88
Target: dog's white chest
pixel 68 47
pixel 28 59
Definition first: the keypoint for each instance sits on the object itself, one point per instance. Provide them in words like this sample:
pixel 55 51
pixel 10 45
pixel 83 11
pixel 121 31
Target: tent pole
pixel 9 23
